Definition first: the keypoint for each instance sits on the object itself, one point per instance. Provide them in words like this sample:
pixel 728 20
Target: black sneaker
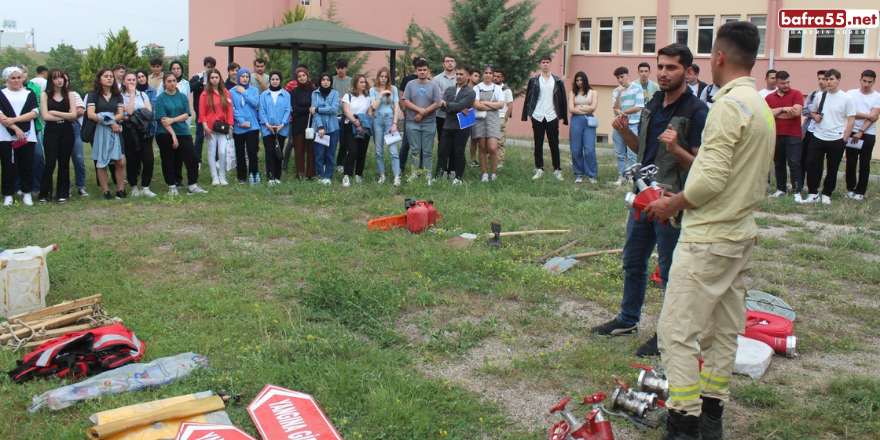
pixel 649 348
pixel 474 164
pixel 43 200
pixel 82 192
pixel 108 196
pixel 121 194
pixel 613 328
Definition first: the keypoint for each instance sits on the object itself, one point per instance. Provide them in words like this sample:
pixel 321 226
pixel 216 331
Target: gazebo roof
pixel 312 35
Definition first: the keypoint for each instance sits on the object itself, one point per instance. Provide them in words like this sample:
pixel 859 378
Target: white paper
pixel 857 145
pixel 391 138
pixel 325 141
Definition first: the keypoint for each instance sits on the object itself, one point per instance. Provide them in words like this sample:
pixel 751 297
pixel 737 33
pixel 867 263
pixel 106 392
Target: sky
pixel 80 23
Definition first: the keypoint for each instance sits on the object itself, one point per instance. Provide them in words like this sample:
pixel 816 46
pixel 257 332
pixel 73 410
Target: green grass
pixel 286 285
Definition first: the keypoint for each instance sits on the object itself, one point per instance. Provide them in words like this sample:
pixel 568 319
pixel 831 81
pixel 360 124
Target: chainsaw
pixel 420 214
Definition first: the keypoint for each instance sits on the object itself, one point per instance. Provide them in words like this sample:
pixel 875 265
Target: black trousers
pixel 855 160
pixel 58 143
pixel 342 151
pixel 822 151
pixel 452 147
pixel 273 164
pixel 788 158
pixel 139 160
pixel 356 157
pixel 246 143
pixel 805 148
pixel 174 159
pixel 551 128
pixel 23 162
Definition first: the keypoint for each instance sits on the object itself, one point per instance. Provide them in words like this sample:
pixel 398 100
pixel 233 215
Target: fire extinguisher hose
pixel 768 324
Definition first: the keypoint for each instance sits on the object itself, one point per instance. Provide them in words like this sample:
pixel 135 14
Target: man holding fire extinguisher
pixel 669 137
pixel 705 297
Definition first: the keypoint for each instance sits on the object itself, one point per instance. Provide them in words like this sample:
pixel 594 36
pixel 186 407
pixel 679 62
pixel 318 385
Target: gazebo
pixel 315 36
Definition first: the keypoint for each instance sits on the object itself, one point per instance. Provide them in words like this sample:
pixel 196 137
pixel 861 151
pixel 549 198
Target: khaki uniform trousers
pixel 502 140
pixel 705 301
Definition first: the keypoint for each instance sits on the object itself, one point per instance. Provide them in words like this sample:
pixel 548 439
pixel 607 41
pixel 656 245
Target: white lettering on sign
pixel 287 416
pixel 211 436
pixel 305 435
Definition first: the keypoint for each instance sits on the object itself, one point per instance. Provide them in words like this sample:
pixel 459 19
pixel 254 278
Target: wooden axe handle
pixel 176 411
pixel 542 231
pixel 557 251
pixel 595 254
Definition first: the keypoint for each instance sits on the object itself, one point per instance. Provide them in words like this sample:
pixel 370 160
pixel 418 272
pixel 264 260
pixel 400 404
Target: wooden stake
pixel 176 411
pixel 56 309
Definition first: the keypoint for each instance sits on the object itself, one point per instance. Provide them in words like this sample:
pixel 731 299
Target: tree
pixel 150 52
pixel 488 32
pixel 65 57
pixel 13 57
pixel 118 49
pixel 404 59
pixel 91 64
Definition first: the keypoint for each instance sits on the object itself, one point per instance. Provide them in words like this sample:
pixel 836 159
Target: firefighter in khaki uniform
pixel 705 297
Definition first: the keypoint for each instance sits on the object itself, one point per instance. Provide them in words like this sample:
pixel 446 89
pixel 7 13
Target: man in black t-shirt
pixel 404 142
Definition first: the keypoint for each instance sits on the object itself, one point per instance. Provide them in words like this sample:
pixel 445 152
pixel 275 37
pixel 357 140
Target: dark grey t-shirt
pixel 423 95
pixel 341 86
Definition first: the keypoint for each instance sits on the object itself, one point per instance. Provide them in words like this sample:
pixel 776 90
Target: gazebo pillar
pixel 324 60
pixel 393 65
pixel 230 51
pixel 294 61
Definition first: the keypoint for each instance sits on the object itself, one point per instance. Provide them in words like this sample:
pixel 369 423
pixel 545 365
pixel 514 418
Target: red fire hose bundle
pixel 773 330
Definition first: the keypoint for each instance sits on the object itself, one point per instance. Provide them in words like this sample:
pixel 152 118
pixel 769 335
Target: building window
pixel 705 34
pixel 606 31
pixel 824 45
pixel 627 34
pixel 649 35
pixel 601 138
pixel 565 53
pixel 586 30
pixel 795 44
pixel 306 2
pixel 680 30
pixel 761 22
pixel 729 18
pixel 855 42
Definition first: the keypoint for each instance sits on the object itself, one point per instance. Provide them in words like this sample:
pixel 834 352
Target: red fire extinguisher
pixel 647 192
pixel 595 428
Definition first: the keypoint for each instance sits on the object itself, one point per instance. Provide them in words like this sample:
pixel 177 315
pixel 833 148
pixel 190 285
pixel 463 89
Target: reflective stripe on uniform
pixel 713 382
pixel 685 393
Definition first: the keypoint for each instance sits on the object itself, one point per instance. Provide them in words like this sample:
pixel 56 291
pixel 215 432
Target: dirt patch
pixel 101 231
pixel 824 231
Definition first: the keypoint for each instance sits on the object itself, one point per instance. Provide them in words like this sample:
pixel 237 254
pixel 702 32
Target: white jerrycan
pixel 24 279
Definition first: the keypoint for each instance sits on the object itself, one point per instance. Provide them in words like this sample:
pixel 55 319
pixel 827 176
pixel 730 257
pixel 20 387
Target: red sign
pixel 204 431
pixel 282 414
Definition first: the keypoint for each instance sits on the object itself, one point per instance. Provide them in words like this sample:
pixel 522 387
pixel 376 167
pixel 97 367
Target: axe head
pixel 495 239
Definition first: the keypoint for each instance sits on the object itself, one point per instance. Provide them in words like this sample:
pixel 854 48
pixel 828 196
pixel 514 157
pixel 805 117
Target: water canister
pixel 24 279
pixel 417 218
pixel 432 213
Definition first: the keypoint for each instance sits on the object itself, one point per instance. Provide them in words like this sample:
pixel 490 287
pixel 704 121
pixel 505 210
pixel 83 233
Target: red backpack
pixel 81 353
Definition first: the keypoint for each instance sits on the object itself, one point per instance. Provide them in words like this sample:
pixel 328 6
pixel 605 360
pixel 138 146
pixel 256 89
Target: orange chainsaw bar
pixel 386 223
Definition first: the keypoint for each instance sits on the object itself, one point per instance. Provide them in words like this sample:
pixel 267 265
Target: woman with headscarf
pixel 582 102
pixel 246 131
pixel 274 124
pixel 105 107
pixel 301 109
pixel 325 103
pixel 18 110
pixel 58 108
pixel 216 106
pixel 174 138
pixel 138 140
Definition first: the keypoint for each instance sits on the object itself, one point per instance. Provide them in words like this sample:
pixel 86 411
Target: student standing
pixel 628 100
pixel 58 108
pixel 197 86
pixel 582 103
pixel 79 166
pixel 18 110
pixel 342 84
pixel 453 141
pixel 474 78
pixel 155 79
pixel 39 157
pixel 325 101
pixel 649 88
pixel 138 144
pixel 488 101
pixel 421 99
pixel 144 163
pixel 404 141
pixel 356 128
pixel 231 76
pixel 174 138
pixel 546 105
pixel 786 105
pixel 216 106
pixel 104 107
pixel 246 131
pixel 770 79
pixel 809 125
pixel 867 103
pixel 444 80
pixel 385 102
pixel 504 114
pixel 304 149
pixel 259 78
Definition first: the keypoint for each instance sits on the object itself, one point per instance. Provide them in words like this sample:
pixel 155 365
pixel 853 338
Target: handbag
pixel 87 134
pixel 592 122
pixel 220 127
pixel 310 132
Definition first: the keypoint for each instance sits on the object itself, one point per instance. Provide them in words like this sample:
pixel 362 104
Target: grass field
pixel 401 337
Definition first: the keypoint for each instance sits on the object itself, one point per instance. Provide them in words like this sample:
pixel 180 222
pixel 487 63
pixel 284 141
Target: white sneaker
pixel 538 173
pixel 500 165
pixel 620 181
pixel 592 180
pixel 858 198
pixel 358 179
pixel 396 181
pixel 826 200
pixel 445 175
pixel 456 182
pixel 382 179
pixel 7 201
pixel 340 169
pixel 135 191
pixel 493 177
pixel 172 191
pixel 146 192
pixel 579 179
pixel 798 198
pixel 429 181
pixel 223 181
pixel 811 198
pixel 850 194
pixel 412 177
pixel 27 200
pixel 777 194
pixel 558 174
pixel 194 189
pixel 485 178
pixel 346 182
pixel 215 180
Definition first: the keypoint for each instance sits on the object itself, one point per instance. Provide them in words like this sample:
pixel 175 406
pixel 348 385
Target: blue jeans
pixel 325 161
pixel 583 146
pixel 625 157
pixel 641 236
pixel 79 165
pixel 421 142
pixel 381 126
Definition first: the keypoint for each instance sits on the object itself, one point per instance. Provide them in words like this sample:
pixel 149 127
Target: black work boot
pixel 711 427
pixel 682 426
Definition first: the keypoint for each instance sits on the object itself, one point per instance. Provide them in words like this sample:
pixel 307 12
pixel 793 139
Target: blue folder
pixel 465 121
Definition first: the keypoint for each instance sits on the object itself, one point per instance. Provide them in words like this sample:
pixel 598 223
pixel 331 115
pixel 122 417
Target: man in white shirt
pixel 40 80
pixel 693 81
pixel 628 99
pixel 546 104
pixel 867 103
pixel 809 124
pixel 504 114
pixel 770 79
pixel 835 116
pixel 708 95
